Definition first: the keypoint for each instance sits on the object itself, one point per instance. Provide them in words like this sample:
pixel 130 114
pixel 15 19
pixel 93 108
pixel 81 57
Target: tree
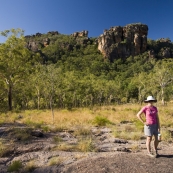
pixel 142 82
pixel 14 60
pixel 51 78
pixel 163 76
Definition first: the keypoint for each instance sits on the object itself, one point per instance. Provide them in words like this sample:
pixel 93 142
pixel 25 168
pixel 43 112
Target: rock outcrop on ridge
pixel 123 41
pixel 116 42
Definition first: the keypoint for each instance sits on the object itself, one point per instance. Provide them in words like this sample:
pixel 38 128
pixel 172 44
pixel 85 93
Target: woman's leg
pixel 156 142
pixel 148 143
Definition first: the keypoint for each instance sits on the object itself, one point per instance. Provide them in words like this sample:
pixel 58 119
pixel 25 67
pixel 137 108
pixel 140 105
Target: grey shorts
pixel 151 130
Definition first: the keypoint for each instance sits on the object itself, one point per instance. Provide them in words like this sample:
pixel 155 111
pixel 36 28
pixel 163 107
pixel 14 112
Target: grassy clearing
pixel 85 118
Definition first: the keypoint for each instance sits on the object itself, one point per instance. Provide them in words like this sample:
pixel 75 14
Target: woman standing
pixel 151 124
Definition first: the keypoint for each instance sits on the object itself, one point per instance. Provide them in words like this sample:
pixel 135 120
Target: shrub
pixel 30 166
pixel 101 121
pixel 86 145
pixel 55 161
pixel 57 139
pixel 15 166
pixel 82 131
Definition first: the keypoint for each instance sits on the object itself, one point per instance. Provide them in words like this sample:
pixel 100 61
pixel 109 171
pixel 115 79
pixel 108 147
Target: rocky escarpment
pixel 36 42
pixel 123 41
pixel 83 33
pixel 116 42
pixel 34 45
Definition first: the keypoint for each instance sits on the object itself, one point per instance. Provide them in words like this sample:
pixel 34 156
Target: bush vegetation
pixel 15 166
pixel 79 77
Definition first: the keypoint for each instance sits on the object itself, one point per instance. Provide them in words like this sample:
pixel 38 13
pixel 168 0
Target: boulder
pixel 53 32
pixel 46 42
pixel 33 46
pixel 166 53
pixel 151 53
pixel 37 133
pixel 83 33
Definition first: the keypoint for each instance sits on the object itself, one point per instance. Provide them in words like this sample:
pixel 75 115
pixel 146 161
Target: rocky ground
pixel 111 154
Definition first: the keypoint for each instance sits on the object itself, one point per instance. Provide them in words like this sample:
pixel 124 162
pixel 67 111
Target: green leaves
pixel 14 58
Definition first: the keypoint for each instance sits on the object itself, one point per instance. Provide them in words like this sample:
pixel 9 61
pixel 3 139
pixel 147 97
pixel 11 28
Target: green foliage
pixel 73 73
pixel 15 166
pixel 101 121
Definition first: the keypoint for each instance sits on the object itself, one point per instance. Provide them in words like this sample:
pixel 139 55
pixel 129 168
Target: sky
pixel 69 16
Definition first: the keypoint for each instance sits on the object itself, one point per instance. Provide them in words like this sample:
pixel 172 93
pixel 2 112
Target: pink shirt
pixel 150 114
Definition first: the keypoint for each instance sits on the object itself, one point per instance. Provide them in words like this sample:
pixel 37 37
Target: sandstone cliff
pixel 123 41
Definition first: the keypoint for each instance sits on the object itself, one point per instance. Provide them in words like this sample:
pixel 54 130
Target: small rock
pixel 123 149
pixel 121 141
pixel 37 133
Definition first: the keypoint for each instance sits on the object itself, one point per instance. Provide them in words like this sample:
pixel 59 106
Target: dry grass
pixel 84 117
pixel 127 135
pixel 55 161
pixel 5 149
pixel 135 148
pixel 30 166
pixel 84 145
pixel 66 147
pixel 166 136
pixel 82 131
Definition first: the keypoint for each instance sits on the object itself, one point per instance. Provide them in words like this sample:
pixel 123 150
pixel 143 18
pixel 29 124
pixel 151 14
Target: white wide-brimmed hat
pixel 150 98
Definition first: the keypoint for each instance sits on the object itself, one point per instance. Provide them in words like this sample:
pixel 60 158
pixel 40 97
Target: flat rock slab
pixel 123 163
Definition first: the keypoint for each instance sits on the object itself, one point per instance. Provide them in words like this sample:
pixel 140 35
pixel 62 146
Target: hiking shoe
pixel 156 154
pixel 151 155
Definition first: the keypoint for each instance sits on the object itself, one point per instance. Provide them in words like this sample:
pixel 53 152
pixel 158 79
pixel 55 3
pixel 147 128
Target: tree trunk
pixel 162 96
pixel 38 99
pixel 51 107
pixel 10 98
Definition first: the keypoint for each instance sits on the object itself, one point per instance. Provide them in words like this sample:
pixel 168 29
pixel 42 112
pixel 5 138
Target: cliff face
pixel 123 41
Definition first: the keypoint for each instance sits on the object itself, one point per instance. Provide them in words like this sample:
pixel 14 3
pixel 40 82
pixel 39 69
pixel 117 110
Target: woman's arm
pixel 139 116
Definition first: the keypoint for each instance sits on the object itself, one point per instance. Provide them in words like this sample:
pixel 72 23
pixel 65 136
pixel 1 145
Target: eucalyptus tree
pixel 51 79
pixel 143 83
pixel 14 61
pixel 163 76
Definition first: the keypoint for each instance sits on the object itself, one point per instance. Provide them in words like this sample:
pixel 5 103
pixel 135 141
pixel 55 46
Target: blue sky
pixel 68 16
